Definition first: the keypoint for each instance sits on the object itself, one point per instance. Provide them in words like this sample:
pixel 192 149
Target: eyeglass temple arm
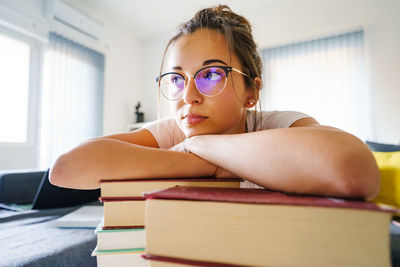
pixel 234 69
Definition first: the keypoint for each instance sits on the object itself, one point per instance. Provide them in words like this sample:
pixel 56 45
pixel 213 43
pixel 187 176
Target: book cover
pixel 259 196
pixel 122 238
pixel 256 227
pixel 136 187
pixel 123 257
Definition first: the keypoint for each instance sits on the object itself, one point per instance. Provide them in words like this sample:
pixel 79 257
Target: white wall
pixel 298 20
pixel 122 85
pixel 153 50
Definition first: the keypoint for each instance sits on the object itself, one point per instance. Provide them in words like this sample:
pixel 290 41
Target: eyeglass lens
pixel 209 81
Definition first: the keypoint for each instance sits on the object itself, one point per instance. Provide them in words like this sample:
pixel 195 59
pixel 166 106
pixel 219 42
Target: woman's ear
pixel 258 83
pixel 253 94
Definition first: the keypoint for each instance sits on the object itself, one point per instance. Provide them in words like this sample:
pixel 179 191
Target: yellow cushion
pixel 389 166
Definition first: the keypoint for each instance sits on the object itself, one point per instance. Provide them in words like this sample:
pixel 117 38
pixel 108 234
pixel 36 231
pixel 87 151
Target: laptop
pixel 49 196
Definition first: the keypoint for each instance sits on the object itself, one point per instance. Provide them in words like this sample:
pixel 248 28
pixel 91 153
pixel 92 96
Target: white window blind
pixel 324 78
pixel 72 109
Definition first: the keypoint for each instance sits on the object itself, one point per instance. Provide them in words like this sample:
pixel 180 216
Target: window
pixel 72 97
pixel 323 78
pixel 14 89
pixel 20 66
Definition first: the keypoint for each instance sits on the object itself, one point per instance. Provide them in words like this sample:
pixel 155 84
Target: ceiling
pixel 149 18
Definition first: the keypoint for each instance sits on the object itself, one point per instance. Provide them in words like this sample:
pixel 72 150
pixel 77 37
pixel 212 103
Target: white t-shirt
pixel 168 134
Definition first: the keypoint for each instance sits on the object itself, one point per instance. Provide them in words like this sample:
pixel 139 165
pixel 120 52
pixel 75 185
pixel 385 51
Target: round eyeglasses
pixel 210 81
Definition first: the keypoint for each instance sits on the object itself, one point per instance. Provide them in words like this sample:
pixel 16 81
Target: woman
pixel 212 77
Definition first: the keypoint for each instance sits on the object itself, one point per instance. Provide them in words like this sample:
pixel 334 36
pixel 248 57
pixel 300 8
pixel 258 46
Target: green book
pixel 120 257
pixel 120 239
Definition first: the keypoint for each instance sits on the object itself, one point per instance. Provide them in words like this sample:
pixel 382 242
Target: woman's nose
pixel 191 95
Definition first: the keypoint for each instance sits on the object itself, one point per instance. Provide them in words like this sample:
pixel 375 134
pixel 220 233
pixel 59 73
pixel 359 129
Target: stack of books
pixel 120 246
pixel 121 235
pixel 194 226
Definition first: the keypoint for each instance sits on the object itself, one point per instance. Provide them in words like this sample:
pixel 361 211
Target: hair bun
pixel 231 17
pixel 237 32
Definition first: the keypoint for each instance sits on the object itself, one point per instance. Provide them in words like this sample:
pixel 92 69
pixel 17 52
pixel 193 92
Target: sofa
pixel 28 236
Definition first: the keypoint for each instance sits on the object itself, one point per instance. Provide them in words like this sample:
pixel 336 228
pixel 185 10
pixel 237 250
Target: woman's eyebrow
pixel 211 61
pixel 207 62
pixel 176 68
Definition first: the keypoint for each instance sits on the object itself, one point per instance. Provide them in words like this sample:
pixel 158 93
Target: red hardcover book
pixel 124 204
pixel 265 228
pixel 112 188
pixel 257 196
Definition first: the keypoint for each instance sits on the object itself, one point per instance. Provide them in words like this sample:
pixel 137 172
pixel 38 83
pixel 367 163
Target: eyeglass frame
pixel 227 70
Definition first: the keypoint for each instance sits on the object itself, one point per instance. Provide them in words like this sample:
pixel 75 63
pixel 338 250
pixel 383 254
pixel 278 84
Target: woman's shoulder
pixel 264 120
pixel 165 122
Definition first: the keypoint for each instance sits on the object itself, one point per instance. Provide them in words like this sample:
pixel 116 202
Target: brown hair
pixel 237 32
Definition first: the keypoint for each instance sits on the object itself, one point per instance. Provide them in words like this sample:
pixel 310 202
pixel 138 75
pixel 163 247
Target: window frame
pixel 35 73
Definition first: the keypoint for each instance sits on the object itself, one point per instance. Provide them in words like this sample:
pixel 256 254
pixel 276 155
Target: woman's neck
pixel 240 127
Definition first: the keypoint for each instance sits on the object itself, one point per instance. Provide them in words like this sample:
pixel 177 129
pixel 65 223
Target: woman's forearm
pixel 86 164
pixel 311 160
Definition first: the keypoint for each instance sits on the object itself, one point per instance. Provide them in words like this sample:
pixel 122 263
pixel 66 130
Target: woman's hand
pixel 219 172
pixel 303 159
pixel 178 147
pixel 182 146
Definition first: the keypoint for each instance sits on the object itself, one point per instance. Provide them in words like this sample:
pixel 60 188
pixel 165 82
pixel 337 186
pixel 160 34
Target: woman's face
pixel 195 113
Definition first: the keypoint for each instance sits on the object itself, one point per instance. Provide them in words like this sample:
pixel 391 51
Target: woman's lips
pixel 194 118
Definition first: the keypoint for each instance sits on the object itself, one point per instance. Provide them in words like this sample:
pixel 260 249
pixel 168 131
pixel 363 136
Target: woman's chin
pixel 190 132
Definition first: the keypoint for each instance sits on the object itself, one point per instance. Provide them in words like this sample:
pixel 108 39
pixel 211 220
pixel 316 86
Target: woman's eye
pixel 176 79
pixel 211 75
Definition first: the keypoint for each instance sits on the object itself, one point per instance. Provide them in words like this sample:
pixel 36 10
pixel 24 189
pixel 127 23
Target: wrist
pixel 186 146
pixel 190 143
pixel 216 170
pixel 198 166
